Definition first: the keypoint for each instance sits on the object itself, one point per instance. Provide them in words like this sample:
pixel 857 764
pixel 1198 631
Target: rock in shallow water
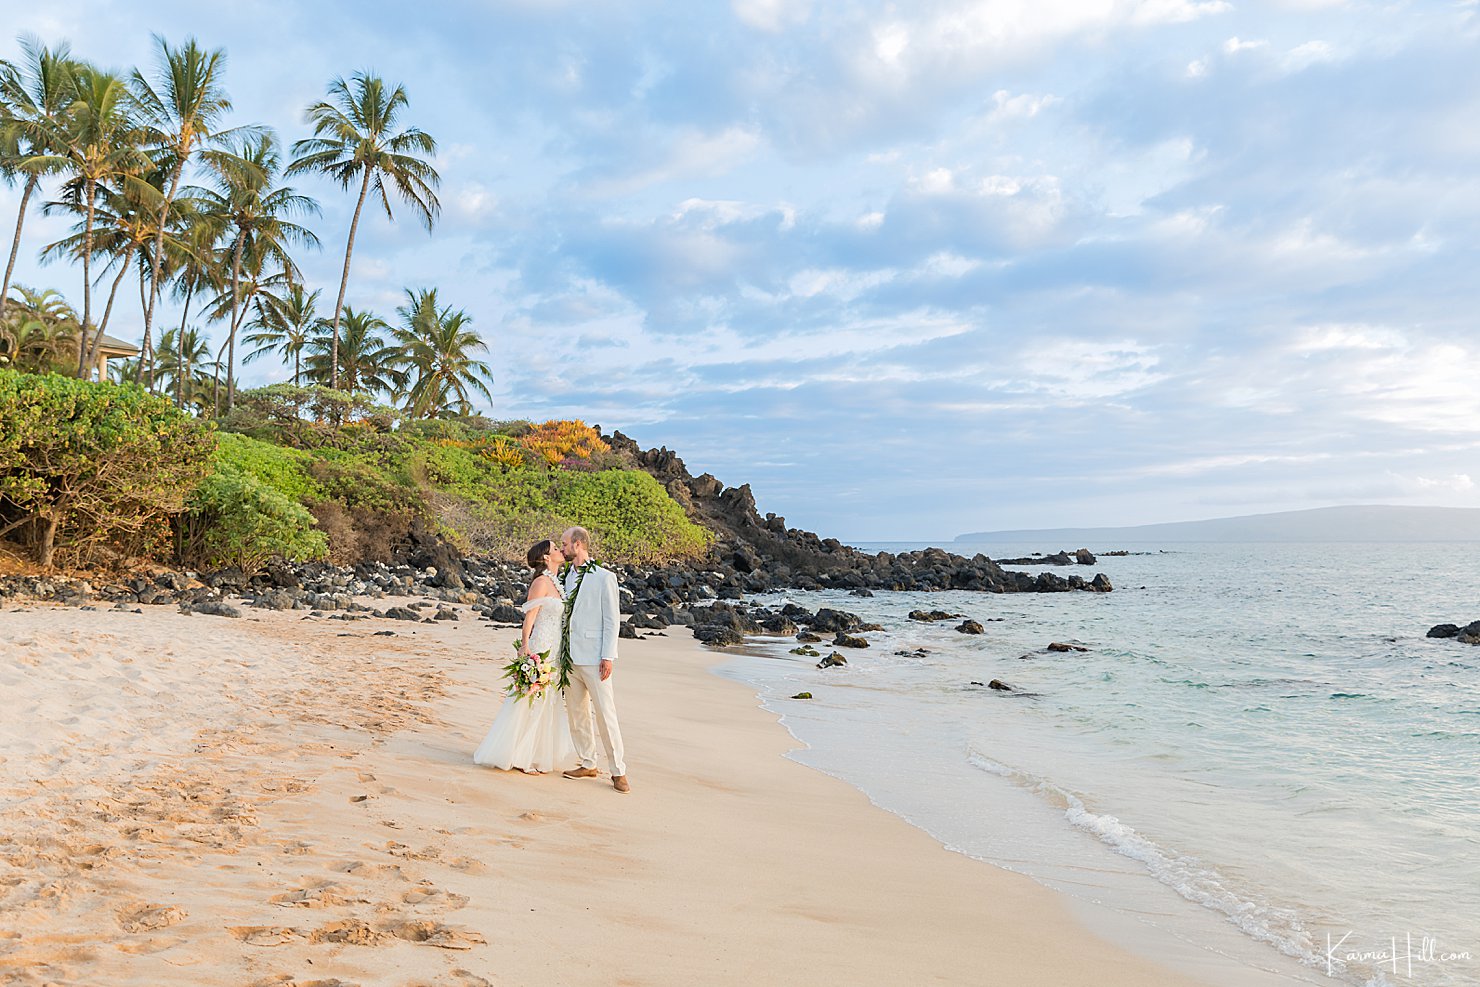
pixel 970 627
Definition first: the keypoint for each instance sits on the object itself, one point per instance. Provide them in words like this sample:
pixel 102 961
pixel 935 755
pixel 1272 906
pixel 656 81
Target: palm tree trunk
pixel 236 282
pixel 157 262
pixel 89 189
pixel 15 245
pixel 349 249
pixel 179 385
pixel 216 386
pixel 92 353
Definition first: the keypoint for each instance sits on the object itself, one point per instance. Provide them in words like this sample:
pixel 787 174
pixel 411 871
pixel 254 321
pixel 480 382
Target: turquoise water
pixel 1261 755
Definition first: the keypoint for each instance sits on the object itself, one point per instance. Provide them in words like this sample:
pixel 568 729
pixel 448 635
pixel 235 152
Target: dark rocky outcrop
pixel 756 553
pixel 832 661
pixel 1064 646
pixel 848 641
pixel 970 627
pixel 1468 634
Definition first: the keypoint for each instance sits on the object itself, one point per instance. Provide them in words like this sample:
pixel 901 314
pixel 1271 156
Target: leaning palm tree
pixel 37 95
pixel 284 325
pixel 355 140
pixel 438 348
pixel 181 108
pixel 254 216
pixel 368 362
pixel 96 143
pixel 123 232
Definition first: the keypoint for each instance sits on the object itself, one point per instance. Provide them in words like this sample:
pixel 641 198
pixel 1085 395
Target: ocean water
pixel 1260 761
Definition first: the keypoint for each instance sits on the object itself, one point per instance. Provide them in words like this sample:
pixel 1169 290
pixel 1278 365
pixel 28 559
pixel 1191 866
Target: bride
pixel 534 735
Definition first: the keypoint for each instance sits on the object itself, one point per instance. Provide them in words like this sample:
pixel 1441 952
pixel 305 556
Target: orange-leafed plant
pixel 504 451
pixel 559 440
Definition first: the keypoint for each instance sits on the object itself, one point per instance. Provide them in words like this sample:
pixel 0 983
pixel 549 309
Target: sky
pixel 917 269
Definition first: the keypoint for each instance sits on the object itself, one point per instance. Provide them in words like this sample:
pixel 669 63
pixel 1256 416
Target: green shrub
pixel 630 515
pixel 365 482
pixel 238 520
pixel 282 468
pixel 84 465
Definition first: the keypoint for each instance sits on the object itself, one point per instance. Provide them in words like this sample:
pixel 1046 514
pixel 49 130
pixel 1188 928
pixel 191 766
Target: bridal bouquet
pixel 529 677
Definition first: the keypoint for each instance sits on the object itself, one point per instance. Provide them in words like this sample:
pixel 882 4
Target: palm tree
pixel 183 356
pixel 181 107
pixel 367 361
pixel 438 348
pixel 123 231
pixel 285 324
pixel 37 95
pixel 96 143
pixel 254 218
pixel 38 331
pixel 355 140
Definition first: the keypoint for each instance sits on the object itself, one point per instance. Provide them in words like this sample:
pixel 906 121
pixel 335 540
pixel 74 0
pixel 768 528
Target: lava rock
pixel 970 627
pixel 832 661
pixel 501 613
pixel 1443 630
pixel 999 685
pixel 402 613
pixel 931 616
pixel 827 621
pixel 1101 583
pixel 848 641
pixel 214 608
pixel 1063 646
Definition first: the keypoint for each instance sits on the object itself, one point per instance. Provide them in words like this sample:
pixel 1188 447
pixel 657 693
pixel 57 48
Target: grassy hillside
pixel 489 487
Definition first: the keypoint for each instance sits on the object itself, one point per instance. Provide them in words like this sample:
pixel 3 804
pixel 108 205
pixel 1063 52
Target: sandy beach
pixel 283 799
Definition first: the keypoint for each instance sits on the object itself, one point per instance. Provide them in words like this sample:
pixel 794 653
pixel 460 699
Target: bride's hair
pixel 536 556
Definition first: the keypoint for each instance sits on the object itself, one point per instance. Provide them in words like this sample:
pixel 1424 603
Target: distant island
pixel 1323 524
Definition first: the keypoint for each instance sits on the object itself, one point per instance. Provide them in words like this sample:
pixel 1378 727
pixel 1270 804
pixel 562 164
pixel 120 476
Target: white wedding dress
pixel 533 735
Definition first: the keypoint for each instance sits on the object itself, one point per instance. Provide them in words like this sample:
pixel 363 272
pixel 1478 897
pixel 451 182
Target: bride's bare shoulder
pixel 542 586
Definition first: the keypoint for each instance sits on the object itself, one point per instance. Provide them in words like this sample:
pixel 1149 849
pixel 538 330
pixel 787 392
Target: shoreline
pixel 290 799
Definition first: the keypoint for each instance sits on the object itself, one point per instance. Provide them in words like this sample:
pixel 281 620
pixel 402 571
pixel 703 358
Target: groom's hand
pixel 605 667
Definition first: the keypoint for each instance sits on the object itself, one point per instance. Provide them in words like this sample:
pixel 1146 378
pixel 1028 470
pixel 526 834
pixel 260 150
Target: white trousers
pixel 587 690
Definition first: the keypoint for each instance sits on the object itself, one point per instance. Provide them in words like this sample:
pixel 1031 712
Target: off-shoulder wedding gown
pixel 532 735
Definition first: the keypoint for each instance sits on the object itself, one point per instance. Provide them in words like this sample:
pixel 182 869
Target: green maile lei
pixel 570 607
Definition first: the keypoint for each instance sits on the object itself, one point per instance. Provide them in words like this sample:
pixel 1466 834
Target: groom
pixel 592 648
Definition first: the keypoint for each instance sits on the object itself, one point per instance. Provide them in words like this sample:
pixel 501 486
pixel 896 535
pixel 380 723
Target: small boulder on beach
pixel 832 661
pixel 848 641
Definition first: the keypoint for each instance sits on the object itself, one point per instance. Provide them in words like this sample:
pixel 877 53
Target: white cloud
pixel 1079 370
pixel 771 15
pixel 692 154
pixel 1302 57
pixel 1235 45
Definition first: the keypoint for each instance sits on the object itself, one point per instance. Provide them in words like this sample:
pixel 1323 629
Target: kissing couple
pixel 570 634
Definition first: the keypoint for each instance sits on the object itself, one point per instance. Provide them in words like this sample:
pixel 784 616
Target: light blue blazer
pixel 593 619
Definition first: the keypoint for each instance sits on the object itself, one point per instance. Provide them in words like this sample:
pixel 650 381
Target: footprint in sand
pixel 325 896
pixel 263 935
pixel 427 894
pixel 286 980
pixel 439 935
pixel 147 917
pixel 351 931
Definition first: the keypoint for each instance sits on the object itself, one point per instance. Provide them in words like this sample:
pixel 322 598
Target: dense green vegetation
pixel 98 472
pixel 89 471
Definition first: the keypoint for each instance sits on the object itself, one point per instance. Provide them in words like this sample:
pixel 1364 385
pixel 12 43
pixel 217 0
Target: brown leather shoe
pixel 619 782
pixel 579 772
